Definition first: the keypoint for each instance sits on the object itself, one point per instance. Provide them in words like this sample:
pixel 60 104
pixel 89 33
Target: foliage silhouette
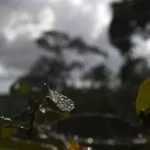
pixel 128 16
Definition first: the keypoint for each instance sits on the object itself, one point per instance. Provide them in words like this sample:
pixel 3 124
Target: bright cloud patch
pixel 25 23
pixel 103 18
pixel 141 45
pixel 88 18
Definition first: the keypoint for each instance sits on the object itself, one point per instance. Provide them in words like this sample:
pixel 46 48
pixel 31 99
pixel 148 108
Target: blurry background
pixel 94 51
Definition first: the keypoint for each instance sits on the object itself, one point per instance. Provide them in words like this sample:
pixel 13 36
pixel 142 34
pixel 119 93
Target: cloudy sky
pixel 23 20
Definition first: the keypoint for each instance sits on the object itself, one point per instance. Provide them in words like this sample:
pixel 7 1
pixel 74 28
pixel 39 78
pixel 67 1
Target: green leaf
pixel 17 144
pixel 58 115
pixel 51 116
pixel 3 123
pixel 24 88
pixel 7 132
pixel 9 127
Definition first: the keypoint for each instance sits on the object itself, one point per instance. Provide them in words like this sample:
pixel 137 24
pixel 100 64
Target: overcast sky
pixel 24 20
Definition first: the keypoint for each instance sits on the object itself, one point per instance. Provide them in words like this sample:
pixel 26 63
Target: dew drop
pixel 42 109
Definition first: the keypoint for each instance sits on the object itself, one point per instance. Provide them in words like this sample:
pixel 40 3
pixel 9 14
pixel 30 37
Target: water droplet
pixel 111 142
pixel 90 140
pixel 2 117
pixel 43 136
pixel 76 138
pixel 7 119
pixel 42 109
pixel 89 148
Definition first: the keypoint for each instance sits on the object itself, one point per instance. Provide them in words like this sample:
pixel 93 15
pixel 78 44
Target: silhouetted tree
pixel 128 16
pixel 56 68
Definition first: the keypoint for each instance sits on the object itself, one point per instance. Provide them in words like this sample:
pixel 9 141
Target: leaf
pixel 143 98
pixel 58 115
pixel 7 132
pixel 3 122
pixel 21 87
pixel 50 116
pixel 24 88
pixel 16 144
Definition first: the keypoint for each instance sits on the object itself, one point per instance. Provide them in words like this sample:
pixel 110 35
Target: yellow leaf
pixel 143 98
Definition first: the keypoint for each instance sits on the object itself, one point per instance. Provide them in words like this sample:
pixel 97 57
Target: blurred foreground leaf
pixel 23 88
pixel 50 116
pixel 17 144
pixel 58 115
pixel 3 123
pixel 7 132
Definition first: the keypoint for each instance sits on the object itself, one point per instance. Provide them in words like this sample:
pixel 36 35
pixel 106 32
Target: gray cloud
pixel 78 20
pixel 19 54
